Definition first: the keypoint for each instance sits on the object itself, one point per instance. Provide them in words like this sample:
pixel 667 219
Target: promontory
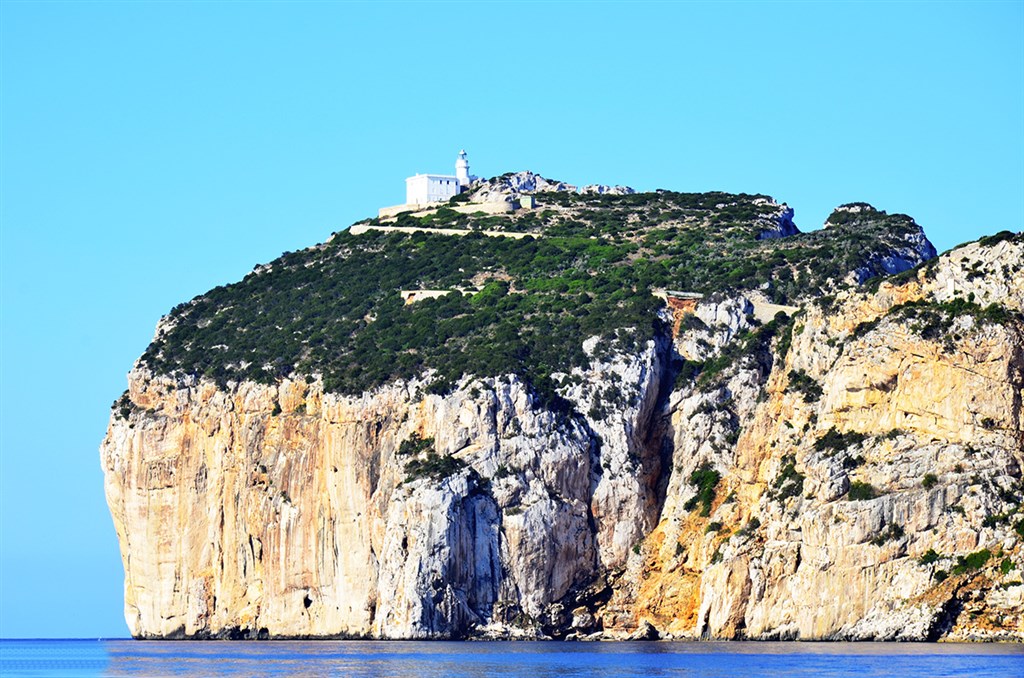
pixel 538 411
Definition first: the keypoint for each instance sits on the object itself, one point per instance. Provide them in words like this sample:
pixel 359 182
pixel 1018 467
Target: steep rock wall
pixel 278 510
pixel 931 425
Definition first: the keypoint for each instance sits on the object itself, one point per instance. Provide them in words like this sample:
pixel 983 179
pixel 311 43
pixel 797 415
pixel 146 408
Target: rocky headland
pixel 660 416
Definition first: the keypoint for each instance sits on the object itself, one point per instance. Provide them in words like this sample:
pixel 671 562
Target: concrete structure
pixel 765 311
pixel 423 189
pixel 685 303
pixel 665 294
pixel 359 229
pixel 464 208
pixel 412 296
pixel 680 305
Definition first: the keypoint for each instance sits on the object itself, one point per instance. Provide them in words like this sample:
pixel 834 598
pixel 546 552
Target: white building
pixel 426 188
pixel 462 169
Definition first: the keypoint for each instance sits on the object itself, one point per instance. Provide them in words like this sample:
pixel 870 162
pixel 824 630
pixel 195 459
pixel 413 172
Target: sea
pixel 547 659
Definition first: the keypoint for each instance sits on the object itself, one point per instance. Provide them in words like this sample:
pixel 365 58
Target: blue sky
pixel 150 151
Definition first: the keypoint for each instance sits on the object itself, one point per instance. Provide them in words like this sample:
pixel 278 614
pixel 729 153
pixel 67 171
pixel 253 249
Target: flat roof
pixel 432 176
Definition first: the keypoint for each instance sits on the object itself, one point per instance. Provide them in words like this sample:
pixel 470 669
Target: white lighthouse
pixel 423 189
pixel 462 169
pixel 427 192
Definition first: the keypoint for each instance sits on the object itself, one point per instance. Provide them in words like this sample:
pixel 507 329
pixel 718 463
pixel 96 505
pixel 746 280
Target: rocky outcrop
pixel 911 249
pixel 509 187
pixel 780 224
pixel 870 467
pixel 602 189
pixel 985 273
pixel 852 472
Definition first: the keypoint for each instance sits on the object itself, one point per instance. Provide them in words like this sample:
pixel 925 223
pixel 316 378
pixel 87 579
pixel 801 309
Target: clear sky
pixel 150 151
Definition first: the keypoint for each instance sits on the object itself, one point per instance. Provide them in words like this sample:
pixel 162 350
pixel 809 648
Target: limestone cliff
pixel 850 472
pixel 874 488
pixel 280 508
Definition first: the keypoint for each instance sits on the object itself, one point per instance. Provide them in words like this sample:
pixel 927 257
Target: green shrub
pixel 686 372
pixel 752 525
pixel 833 441
pixel 434 466
pixel 890 533
pixel 415 445
pixel 971 562
pixel 940 576
pixel 751 345
pixel 789 482
pixel 853 462
pixel 705 478
pixel 932 320
pixel 785 339
pixel 863 328
pixel 929 557
pixel 993 520
pixel 802 383
pixel 929 481
pixel 990 240
pixel 860 491
pixel 1006 566
pixel 123 406
pixel 713 527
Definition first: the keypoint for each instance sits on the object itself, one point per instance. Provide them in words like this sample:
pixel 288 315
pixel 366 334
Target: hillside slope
pixel 551 450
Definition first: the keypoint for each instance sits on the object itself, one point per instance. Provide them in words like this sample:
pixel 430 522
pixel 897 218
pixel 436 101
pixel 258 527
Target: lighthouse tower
pixel 462 169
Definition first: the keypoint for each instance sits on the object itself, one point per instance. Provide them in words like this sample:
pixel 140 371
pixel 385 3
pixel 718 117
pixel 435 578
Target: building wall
pixel 426 188
pixel 412 296
pixel 359 229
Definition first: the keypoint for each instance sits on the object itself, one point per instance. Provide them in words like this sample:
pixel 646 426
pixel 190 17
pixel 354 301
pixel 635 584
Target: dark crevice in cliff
pixel 945 618
pixel 563 619
pixel 656 431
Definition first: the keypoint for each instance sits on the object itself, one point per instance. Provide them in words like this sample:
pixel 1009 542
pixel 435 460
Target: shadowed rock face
pixel 812 486
pixel 782 225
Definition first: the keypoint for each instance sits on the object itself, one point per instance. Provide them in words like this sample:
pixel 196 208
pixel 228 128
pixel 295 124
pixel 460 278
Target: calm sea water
pixel 73 658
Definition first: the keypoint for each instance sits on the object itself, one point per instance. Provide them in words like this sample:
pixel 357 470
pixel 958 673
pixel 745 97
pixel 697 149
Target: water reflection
pixel 372 659
pixel 552 659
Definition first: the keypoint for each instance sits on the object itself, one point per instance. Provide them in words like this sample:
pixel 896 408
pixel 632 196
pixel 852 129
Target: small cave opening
pixel 306 601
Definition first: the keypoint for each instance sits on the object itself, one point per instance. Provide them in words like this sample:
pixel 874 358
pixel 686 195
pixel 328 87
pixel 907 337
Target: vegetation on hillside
pixel 334 309
pixel 934 320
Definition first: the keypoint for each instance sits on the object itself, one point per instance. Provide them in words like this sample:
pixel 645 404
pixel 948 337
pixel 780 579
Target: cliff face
pixel 853 472
pixel 844 510
pixel 282 509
